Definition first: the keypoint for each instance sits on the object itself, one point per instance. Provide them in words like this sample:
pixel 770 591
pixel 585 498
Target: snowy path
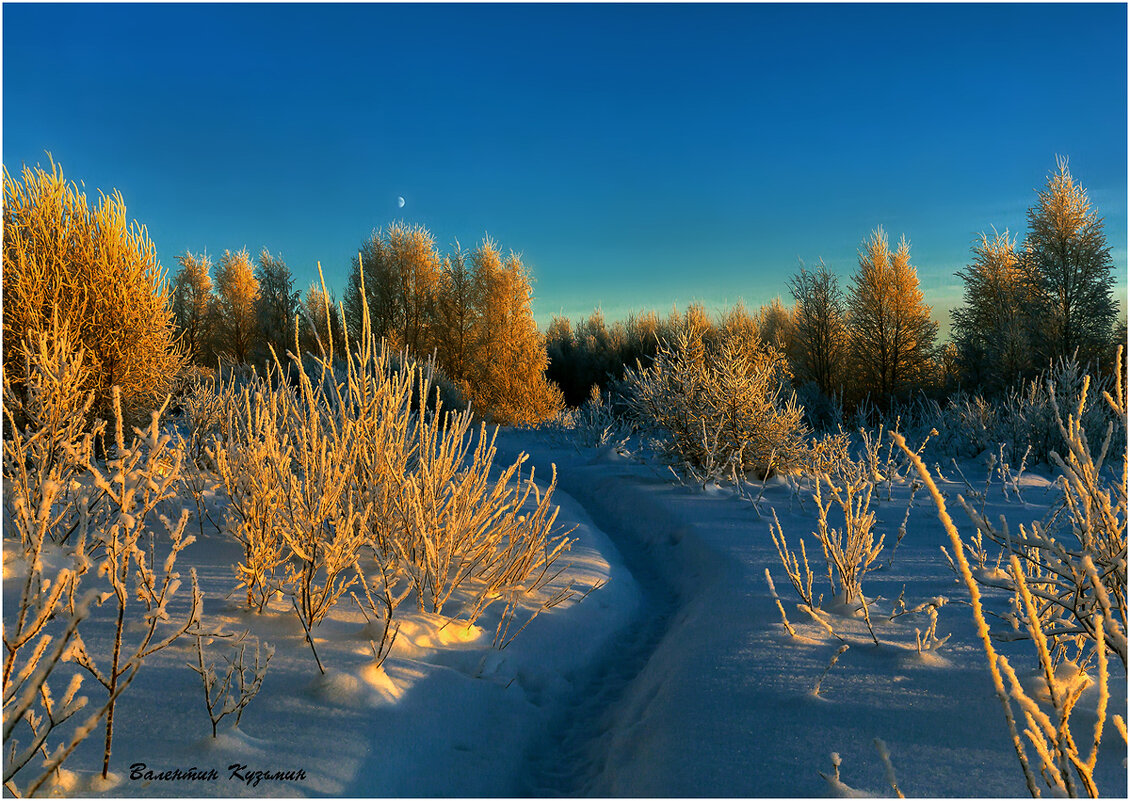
pixel 575 754
pixel 710 697
pixel 673 679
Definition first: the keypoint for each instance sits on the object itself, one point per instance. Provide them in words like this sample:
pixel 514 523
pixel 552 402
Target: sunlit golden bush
pixel 98 273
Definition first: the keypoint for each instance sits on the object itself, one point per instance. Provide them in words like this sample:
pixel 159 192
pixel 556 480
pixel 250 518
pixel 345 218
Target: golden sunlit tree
pixel 382 284
pixel 236 293
pixel 1067 262
pixel 510 384
pixel 320 326
pixel 412 248
pixel 775 325
pixel 192 305
pixel 891 333
pixel 991 329
pixel 91 268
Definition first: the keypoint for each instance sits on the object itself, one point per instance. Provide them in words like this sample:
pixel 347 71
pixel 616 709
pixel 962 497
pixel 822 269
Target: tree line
pixel 1024 304
pixel 470 310
pixel 70 263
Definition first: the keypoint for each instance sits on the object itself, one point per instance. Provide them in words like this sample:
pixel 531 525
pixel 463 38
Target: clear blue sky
pixel 636 155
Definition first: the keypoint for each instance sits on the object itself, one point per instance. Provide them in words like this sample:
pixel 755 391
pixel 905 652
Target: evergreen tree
pixel 1068 265
pixel 236 293
pixel 192 304
pixel 892 335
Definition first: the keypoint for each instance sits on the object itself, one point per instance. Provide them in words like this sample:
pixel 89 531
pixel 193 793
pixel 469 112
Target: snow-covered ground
pixel 674 677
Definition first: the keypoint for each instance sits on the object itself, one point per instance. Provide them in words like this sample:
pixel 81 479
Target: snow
pixel 673 677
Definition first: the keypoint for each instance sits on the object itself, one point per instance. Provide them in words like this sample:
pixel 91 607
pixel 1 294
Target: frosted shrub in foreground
pixel 105 524
pixel 849 551
pixel 1069 590
pixel 50 608
pixel 723 407
pixel 136 481
pixel 240 684
pixel 55 442
pixel 41 461
pixel 1059 557
pixel 360 475
pixel 244 460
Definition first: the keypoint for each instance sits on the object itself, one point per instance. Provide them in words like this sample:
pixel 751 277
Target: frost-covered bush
pixel 1030 413
pixel 50 438
pixel 57 493
pixel 355 471
pixel 241 681
pixel 722 407
pixel 821 412
pixel 96 271
pixel 1023 420
pixel 42 457
pixel 850 548
pixel 134 483
pixel 593 424
pixel 1068 581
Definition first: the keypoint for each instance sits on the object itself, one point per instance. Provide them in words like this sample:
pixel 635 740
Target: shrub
pixel 100 274
pixel 723 406
pixel 48 471
pixel 360 458
pixel 41 458
pixel 1069 586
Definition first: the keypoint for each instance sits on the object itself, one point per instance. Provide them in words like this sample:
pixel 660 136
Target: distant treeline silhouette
pixel 1024 307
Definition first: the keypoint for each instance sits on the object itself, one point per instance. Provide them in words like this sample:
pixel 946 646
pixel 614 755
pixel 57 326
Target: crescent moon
pixel 400 202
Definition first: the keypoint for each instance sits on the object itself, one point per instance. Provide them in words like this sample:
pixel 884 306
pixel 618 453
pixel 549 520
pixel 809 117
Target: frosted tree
pixel 236 293
pixel 1067 262
pixel 381 280
pixel 775 325
pixel 819 347
pixel 990 328
pixel 413 249
pixel 510 382
pixel 192 303
pixel 275 305
pixel 724 407
pixel 457 314
pixel 891 333
pixel 738 322
pixel 318 314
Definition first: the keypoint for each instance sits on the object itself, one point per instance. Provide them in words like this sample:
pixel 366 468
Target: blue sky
pixel 637 155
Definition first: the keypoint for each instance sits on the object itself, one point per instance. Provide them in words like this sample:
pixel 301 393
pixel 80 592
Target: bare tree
pixel 819 328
